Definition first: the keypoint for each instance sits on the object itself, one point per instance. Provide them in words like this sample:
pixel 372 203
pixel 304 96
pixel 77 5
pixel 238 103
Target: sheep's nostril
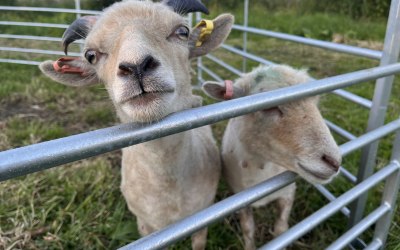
pixel 332 162
pixel 125 69
pixel 149 63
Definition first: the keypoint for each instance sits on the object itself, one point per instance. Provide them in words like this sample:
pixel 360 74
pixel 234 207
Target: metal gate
pixel 41 156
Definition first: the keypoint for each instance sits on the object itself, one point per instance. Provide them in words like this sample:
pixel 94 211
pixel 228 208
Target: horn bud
pixel 79 29
pixel 184 7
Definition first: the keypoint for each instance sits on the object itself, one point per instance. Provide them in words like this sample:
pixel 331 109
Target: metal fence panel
pixel 37 157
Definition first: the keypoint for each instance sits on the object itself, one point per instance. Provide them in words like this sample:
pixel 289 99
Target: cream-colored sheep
pixel 141 50
pixel 258 146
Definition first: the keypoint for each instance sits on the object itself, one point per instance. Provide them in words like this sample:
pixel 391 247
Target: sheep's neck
pixel 167 156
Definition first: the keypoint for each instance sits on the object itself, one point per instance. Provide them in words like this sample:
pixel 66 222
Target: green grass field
pixel 79 205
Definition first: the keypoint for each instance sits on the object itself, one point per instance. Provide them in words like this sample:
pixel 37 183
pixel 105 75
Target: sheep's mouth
pixel 315 174
pixel 146 98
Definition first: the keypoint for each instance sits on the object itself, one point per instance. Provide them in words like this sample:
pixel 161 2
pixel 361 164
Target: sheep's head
pixel 141 51
pixel 293 135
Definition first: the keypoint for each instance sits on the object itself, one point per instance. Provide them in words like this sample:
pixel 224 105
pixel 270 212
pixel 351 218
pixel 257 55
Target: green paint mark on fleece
pixel 265 79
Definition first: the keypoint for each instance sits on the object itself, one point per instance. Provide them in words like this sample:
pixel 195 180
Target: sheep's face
pixel 293 135
pixel 141 51
pixel 143 62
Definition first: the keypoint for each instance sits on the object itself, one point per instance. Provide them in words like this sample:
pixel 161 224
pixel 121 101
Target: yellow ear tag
pixel 205 32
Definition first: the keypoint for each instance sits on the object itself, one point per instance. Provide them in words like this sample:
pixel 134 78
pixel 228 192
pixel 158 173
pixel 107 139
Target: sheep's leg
pixel 199 240
pixel 285 207
pixel 247 224
pixel 144 229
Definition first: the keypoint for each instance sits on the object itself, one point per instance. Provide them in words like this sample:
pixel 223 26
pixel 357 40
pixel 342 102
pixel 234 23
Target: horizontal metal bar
pixel 211 73
pixel 374 245
pixel 246 55
pixel 369 137
pixel 30 24
pixel 216 212
pixel 57 10
pixel 325 192
pixel 36 38
pixel 37 157
pixel 38 51
pixel 325 212
pixel 373 54
pixel 349 176
pixel 359 228
pixel 354 98
pixel 340 92
pixel 224 65
pixel 2 60
pixel 340 131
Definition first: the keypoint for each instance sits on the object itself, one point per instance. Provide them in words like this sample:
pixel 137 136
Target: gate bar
pixel 37 157
pixel 25 62
pixel 369 137
pixel 36 38
pixel 375 244
pixel 246 54
pixel 215 212
pixel 38 51
pixel 54 10
pixel 30 24
pixel 337 47
pixel 340 92
pixel 354 98
pixel 340 131
pixel 363 225
pixel 325 212
pixel 390 193
pixel 211 73
pixel 377 113
pixel 224 64
pixel 325 192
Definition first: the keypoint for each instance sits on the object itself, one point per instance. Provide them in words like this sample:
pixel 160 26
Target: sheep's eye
pixel 182 32
pixel 91 56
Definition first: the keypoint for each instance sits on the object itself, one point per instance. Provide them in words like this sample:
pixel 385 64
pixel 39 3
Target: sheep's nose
pixel 331 162
pixel 149 63
pixel 146 65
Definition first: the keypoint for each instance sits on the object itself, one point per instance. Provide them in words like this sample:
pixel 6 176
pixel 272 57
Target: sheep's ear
pixel 208 35
pixel 218 90
pixel 84 77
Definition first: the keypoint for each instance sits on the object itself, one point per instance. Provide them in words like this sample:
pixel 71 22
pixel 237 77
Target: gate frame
pixel 45 155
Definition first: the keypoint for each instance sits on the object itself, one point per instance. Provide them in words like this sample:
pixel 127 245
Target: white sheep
pixel 258 146
pixel 141 50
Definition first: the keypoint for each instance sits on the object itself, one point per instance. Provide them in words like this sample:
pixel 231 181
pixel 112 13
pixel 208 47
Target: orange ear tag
pixel 228 90
pixel 62 67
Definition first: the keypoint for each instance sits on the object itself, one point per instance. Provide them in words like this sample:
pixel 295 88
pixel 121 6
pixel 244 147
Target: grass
pixel 79 205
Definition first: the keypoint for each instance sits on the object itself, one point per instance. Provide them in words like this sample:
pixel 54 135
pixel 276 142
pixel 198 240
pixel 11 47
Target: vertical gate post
pixel 245 24
pixel 377 114
pixel 78 15
pixel 199 59
pixel 390 193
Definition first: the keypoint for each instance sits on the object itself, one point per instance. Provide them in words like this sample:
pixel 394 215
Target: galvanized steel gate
pixel 37 157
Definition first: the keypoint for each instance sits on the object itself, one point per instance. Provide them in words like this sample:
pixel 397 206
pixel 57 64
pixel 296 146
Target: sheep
pixel 258 146
pixel 141 51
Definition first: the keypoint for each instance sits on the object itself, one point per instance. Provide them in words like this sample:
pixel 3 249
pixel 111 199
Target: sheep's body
pixel 140 50
pixel 258 146
pixel 169 197
pixel 243 169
